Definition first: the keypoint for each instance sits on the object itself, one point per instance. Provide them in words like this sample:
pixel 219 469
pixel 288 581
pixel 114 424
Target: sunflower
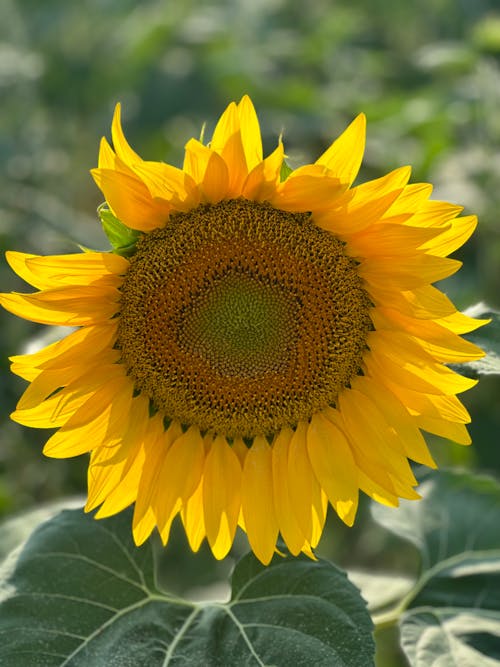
pixel 269 342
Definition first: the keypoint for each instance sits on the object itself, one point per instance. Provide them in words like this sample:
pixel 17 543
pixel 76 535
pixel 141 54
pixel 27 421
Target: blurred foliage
pixel 427 74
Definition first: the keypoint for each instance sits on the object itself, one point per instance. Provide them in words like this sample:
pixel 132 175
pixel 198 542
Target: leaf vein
pixel 102 627
pixel 93 563
pixel 175 641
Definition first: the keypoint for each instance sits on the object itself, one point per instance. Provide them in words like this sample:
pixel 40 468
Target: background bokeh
pixel 426 73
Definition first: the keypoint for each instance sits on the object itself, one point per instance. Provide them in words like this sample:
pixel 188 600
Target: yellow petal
pixel 406 272
pixel 68 306
pixel 344 156
pixel 46 383
pixel 193 519
pixel 215 185
pixel 107 157
pixel 413 198
pixel 98 421
pixel 381 240
pixel 452 237
pixel 130 200
pixel 306 189
pixel 221 496
pixel 301 480
pixel 370 432
pixel 125 492
pixel 333 464
pixel 440 343
pixel 460 323
pixel 288 525
pixel 450 407
pixel 403 489
pixel 136 430
pixel 57 355
pixel 450 430
pixel 364 205
pixel 250 132
pixel 156 445
pixel 319 507
pixel 241 450
pixel 227 125
pixel 179 476
pixel 87 384
pixel 428 302
pixel 257 500
pixel 234 157
pixel 143 526
pixel 422 303
pixel 208 169
pixel 372 471
pixel 75 378
pixel 228 143
pixel 165 525
pixel 430 405
pixel 114 485
pixel 435 213
pixel 77 269
pixel 121 145
pixel 263 180
pixel 397 417
pixel 27 366
pixel 94 347
pixel 101 482
pixel 196 160
pixel 374 490
pixel 56 410
pixel 169 184
pixel 411 367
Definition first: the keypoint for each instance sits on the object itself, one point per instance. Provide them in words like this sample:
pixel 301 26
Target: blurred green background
pixel 426 73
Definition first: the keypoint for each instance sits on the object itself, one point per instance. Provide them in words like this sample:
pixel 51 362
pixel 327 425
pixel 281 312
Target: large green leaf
pixel 459 512
pixel 456 613
pixel 447 638
pixel 381 590
pixel 79 593
pixel 17 529
pixel 452 616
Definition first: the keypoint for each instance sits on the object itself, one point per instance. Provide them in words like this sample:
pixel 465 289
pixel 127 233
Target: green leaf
pixel 121 237
pixel 381 590
pixel 488 339
pixel 442 637
pixel 17 529
pixel 456 613
pixel 458 513
pixel 458 580
pixel 452 615
pixel 79 593
pixel 314 599
pixel 285 172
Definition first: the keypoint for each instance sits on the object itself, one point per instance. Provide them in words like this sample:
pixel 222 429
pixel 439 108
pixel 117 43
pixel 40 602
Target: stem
pixel 386 619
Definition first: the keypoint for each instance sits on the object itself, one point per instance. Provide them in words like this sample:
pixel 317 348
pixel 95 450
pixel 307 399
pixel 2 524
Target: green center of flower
pixel 240 326
pixel 242 318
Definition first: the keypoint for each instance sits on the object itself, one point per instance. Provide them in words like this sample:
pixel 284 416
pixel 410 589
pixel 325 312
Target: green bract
pixel 121 237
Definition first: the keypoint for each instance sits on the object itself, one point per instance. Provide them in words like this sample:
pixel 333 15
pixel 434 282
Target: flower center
pixel 240 326
pixel 242 318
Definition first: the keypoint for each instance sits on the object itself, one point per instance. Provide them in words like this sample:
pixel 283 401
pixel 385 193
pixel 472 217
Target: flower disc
pixel 242 318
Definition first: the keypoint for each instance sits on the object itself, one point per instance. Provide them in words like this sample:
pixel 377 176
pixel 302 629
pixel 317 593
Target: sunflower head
pixel 255 347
